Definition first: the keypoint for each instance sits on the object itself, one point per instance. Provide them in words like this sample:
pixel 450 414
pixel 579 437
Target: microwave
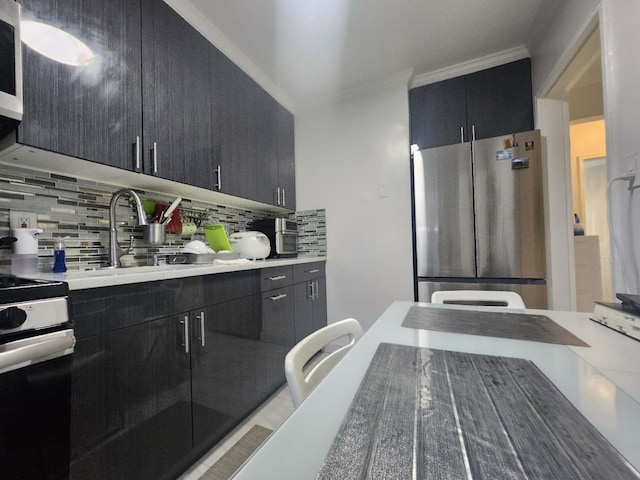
pixel 11 107
pixel 282 234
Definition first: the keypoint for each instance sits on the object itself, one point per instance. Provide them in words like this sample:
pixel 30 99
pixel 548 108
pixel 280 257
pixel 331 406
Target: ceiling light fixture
pixel 55 44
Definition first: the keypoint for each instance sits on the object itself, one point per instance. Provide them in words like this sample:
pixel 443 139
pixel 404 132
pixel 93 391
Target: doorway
pixel 571 115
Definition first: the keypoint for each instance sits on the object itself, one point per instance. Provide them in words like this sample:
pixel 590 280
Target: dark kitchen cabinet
pixel 222 367
pixel 264 139
pixel 235 170
pixel 178 144
pixel 158 99
pixel 91 112
pixel 286 158
pixel 131 403
pixel 164 369
pixel 499 100
pixel 310 298
pixel 489 103
pixel 438 113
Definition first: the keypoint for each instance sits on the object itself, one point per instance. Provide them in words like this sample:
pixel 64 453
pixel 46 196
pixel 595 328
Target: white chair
pixel 494 298
pixel 301 382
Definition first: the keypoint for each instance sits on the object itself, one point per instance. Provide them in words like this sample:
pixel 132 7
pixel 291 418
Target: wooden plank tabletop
pixel 426 413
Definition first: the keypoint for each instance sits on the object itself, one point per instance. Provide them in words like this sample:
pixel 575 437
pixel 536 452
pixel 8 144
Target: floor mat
pixel 224 468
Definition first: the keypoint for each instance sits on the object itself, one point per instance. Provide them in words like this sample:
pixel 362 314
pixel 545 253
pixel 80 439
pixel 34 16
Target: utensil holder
pixel 154 234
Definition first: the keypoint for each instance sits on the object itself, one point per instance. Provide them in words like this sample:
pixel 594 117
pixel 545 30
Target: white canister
pixel 26 240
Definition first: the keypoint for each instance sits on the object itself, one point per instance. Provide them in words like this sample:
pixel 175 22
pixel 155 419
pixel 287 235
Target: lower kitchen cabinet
pixel 276 338
pixel 131 403
pixel 222 367
pixel 310 297
pixel 163 370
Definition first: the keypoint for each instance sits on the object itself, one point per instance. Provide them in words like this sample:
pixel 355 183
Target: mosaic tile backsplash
pixel 77 211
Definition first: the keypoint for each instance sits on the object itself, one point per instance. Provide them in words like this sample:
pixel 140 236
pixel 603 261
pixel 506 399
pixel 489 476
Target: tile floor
pixel 271 414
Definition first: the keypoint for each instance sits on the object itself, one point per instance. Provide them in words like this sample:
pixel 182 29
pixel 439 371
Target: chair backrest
pixel 496 298
pixel 301 382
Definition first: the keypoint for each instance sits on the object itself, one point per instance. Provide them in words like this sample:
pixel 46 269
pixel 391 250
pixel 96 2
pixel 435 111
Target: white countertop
pixel 602 381
pixel 105 277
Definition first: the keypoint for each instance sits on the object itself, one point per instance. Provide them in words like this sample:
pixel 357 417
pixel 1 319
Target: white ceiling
pixel 310 48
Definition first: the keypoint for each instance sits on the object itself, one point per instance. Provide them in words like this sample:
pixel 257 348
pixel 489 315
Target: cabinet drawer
pixel 308 271
pixel 275 277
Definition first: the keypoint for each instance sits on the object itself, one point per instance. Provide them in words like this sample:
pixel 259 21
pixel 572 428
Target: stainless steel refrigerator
pixel 479 217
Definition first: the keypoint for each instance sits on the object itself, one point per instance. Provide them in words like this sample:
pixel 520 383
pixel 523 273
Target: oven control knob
pixel 12 317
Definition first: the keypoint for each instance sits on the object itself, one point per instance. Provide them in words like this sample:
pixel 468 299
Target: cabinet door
pixel 499 100
pixel 263 137
pixel 286 157
pixel 277 336
pixel 131 403
pixel 320 304
pixel 200 139
pixel 223 366
pixel 230 115
pixel 438 112
pixel 174 89
pixel 90 112
pixel 303 309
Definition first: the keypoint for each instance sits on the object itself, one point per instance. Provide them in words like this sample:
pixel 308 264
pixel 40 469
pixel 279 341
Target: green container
pixel 217 237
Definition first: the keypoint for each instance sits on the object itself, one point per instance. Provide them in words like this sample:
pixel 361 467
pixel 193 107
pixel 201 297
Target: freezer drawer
pixel 508 198
pixel 534 295
pixel 444 211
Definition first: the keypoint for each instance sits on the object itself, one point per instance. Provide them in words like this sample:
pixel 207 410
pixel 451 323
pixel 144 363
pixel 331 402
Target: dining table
pixel 470 392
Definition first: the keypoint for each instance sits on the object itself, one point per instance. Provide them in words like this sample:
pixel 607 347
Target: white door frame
pixel 552 118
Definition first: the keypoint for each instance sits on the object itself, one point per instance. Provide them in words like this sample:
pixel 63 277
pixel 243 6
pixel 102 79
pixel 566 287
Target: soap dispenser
pixel 59 265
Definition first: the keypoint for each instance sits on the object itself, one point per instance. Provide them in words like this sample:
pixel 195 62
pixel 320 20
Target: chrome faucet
pixel 115 250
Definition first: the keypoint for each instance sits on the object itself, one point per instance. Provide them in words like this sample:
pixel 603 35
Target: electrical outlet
pixel 21 219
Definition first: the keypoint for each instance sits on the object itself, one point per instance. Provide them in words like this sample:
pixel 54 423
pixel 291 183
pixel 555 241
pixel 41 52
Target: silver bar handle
pixel 201 318
pixel 461 134
pixel 218 183
pixel 473 133
pixel 278 277
pixel 277 192
pixel 185 332
pixel 284 200
pixel 136 148
pixel 29 351
pixel 278 297
pixel 315 290
pixel 154 156
pixel 315 270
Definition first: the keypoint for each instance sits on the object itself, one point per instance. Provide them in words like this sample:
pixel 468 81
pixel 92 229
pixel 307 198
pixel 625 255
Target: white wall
pixel 352 158
pixel 553 43
pixel 621 72
pixel 558 25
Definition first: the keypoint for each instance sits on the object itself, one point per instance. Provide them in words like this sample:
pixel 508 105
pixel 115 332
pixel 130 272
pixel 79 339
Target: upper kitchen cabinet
pixel 235 169
pixel 485 104
pixel 286 158
pixel 254 156
pixel 499 100
pixel 438 113
pixel 89 111
pixel 178 144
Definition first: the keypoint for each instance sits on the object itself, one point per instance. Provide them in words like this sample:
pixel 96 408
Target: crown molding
pixel 212 33
pixel 471 66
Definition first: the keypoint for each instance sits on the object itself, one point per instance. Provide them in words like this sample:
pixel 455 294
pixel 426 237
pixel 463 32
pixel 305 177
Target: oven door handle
pixel 28 351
